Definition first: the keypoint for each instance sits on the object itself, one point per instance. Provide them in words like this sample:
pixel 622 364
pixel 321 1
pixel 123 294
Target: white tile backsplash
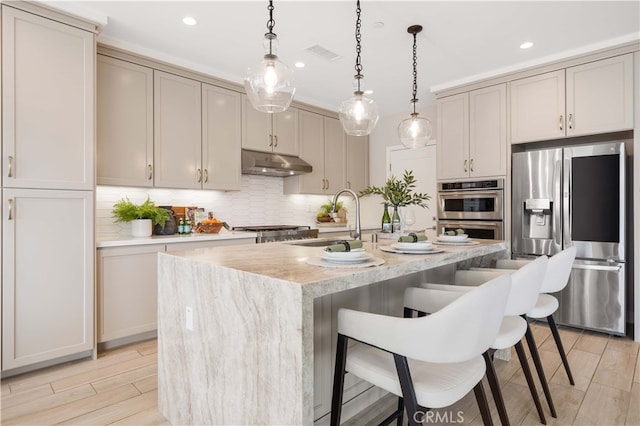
pixel 259 202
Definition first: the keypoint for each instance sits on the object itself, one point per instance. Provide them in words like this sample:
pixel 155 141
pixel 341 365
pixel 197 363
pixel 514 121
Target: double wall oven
pixel 475 206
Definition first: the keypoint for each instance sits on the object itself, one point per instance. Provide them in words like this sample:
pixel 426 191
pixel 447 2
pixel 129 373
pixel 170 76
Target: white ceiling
pixel 460 39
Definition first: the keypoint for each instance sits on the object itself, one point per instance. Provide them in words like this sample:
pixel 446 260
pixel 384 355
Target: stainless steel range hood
pixel 271 164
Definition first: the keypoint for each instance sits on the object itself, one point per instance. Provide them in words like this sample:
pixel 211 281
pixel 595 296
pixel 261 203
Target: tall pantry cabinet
pixel 47 188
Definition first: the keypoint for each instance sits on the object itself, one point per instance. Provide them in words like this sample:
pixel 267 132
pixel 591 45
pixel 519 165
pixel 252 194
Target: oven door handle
pixel 471 194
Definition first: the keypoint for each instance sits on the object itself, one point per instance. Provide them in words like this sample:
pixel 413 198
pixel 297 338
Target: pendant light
pixel 414 131
pixel 358 114
pixel 269 85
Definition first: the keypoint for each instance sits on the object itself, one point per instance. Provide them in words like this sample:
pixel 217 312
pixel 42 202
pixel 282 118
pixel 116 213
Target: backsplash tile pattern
pixel 259 202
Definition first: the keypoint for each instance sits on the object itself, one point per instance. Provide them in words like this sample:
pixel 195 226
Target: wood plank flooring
pixel 120 388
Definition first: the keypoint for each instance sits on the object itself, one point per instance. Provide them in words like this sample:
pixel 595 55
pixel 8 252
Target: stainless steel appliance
pixel 272 233
pixel 475 206
pixel 576 196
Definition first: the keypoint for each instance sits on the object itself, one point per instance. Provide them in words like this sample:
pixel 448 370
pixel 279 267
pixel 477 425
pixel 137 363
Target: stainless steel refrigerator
pixel 576 196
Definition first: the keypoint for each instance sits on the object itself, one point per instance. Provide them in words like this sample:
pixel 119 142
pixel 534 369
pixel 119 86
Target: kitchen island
pixel 236 326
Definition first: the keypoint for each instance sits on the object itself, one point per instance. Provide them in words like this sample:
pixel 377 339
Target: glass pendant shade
pixel 415 131
pixel 269 85
pixel 358 115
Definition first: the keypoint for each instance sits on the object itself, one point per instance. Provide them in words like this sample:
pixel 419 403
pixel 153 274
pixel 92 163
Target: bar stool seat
pixel 511 331
pixel 436 385
pixel 545 306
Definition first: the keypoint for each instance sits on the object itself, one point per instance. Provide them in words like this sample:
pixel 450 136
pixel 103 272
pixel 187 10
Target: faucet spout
pixel 357 234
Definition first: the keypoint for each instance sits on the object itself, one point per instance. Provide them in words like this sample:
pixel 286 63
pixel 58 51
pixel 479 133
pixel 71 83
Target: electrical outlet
pixel 189 319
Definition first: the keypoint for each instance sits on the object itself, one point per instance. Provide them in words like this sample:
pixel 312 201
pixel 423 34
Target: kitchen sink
pixel 315 242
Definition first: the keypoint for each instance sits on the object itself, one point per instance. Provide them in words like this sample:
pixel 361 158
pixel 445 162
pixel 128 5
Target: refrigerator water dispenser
pixel 537 221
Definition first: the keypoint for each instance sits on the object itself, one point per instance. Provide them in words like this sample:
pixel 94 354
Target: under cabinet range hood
pixel 271 164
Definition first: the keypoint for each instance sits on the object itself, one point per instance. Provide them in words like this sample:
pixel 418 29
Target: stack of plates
pixel 353 256
pixel 460 238
pixel 422 247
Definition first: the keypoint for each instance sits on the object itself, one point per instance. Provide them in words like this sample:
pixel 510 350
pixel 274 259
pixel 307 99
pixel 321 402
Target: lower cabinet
pixel 128 288
pixel 47 275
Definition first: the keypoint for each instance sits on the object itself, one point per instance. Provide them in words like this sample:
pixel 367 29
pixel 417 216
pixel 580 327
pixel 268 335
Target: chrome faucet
pixel 357 234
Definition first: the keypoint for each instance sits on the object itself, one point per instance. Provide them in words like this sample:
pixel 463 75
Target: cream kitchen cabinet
pixel 357 162
pixel 592 98
pixel 322 144
pixel 221 138
pixel 124 123
pixel 269 132
pixel 472 134
pixel 47 103
pixel 47 275
pixel 177 114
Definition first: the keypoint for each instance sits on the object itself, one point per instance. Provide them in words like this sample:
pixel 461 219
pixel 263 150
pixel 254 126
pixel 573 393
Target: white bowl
pixel 453 238
pixel 420 245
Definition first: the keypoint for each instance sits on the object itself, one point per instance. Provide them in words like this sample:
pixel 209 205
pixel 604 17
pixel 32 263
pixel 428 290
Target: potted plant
pixel 325 214
pixel 142 216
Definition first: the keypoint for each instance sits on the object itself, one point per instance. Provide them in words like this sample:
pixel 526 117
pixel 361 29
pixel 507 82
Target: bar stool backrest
pixel 558 270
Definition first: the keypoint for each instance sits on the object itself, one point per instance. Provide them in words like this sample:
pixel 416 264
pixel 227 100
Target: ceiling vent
pixel 323 53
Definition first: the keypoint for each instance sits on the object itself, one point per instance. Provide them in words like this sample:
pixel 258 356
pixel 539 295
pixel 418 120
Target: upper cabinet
pixel 221 138
pixel 322 144
pixel 472 134
pixel 357 162
pixel 269 132
pixel 47 103
pixel 596 97
pixel 177 131
pixel 125 123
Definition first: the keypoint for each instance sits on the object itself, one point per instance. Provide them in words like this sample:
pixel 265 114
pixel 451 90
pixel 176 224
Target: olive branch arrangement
pixel 399 192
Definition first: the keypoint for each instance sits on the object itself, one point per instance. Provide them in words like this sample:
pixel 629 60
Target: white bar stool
pixel 428 362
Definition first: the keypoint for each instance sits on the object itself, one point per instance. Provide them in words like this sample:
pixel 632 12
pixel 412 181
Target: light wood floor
pixel 120 387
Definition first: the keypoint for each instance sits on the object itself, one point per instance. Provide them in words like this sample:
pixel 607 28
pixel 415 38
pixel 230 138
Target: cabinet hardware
pixel 199 176
pixel 561 122
pixel 471 165
pixel 465 166
pixel 348 185
pixel 327 184
pixel 570 121
pixel 275 138
pixel 150 172
pixel 10 208
pixel 324 184
pixel 10 166
pixel 433 228
pixel 270 140
pixel 206 175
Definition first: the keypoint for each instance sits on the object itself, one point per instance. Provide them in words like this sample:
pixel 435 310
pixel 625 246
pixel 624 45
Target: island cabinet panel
pixel 221 138
pixel 472 134
pixel 323 361
pixel 593 98
pixel 125 123
pixel 357 162
pixel 127 291
pixel 269 132
pixel 47 103
pixel 47 292
pixel 177 132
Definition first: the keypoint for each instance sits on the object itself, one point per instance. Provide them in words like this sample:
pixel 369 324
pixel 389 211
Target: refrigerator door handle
pixel 566 199
pixel 597 267
pixel 557 211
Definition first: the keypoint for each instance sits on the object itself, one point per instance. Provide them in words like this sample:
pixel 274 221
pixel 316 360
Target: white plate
pixel 422 245
pixel 352 256
pixel 431 250
pixel 453 238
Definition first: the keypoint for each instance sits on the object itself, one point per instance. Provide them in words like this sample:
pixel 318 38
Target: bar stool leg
pixel 481 398
pixel 563 355
pixel 492 377
pixel 536 361
pixel 532 387
pixel 338 380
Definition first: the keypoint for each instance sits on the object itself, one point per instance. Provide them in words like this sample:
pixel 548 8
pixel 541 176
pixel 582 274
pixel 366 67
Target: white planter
pixel 141 228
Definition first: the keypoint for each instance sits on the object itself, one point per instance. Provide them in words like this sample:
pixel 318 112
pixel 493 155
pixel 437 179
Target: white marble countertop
pixel 115 241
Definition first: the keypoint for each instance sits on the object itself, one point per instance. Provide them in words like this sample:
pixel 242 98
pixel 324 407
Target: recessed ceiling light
pixel 188 20
pixel 378 25
pixel 368 92
pixel 299 64
pixel 526 45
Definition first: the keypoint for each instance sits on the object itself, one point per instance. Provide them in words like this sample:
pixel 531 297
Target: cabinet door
pixel 453 137
pixel 221 138
pixel 285 132
pixel 47 103
pixel 177 114
pixel 127 291
pixel 312 151
pixel 537 107
pixel 488 131
pixel 47 275
pixel 334 155
pixel 600 96
pixel 256 128
pixel 357 167
pixel 125 123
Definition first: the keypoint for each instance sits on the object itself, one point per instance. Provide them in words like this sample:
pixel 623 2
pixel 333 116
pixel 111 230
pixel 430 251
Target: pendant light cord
pixel 270 24
pixel 358 66
pixel 415 73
